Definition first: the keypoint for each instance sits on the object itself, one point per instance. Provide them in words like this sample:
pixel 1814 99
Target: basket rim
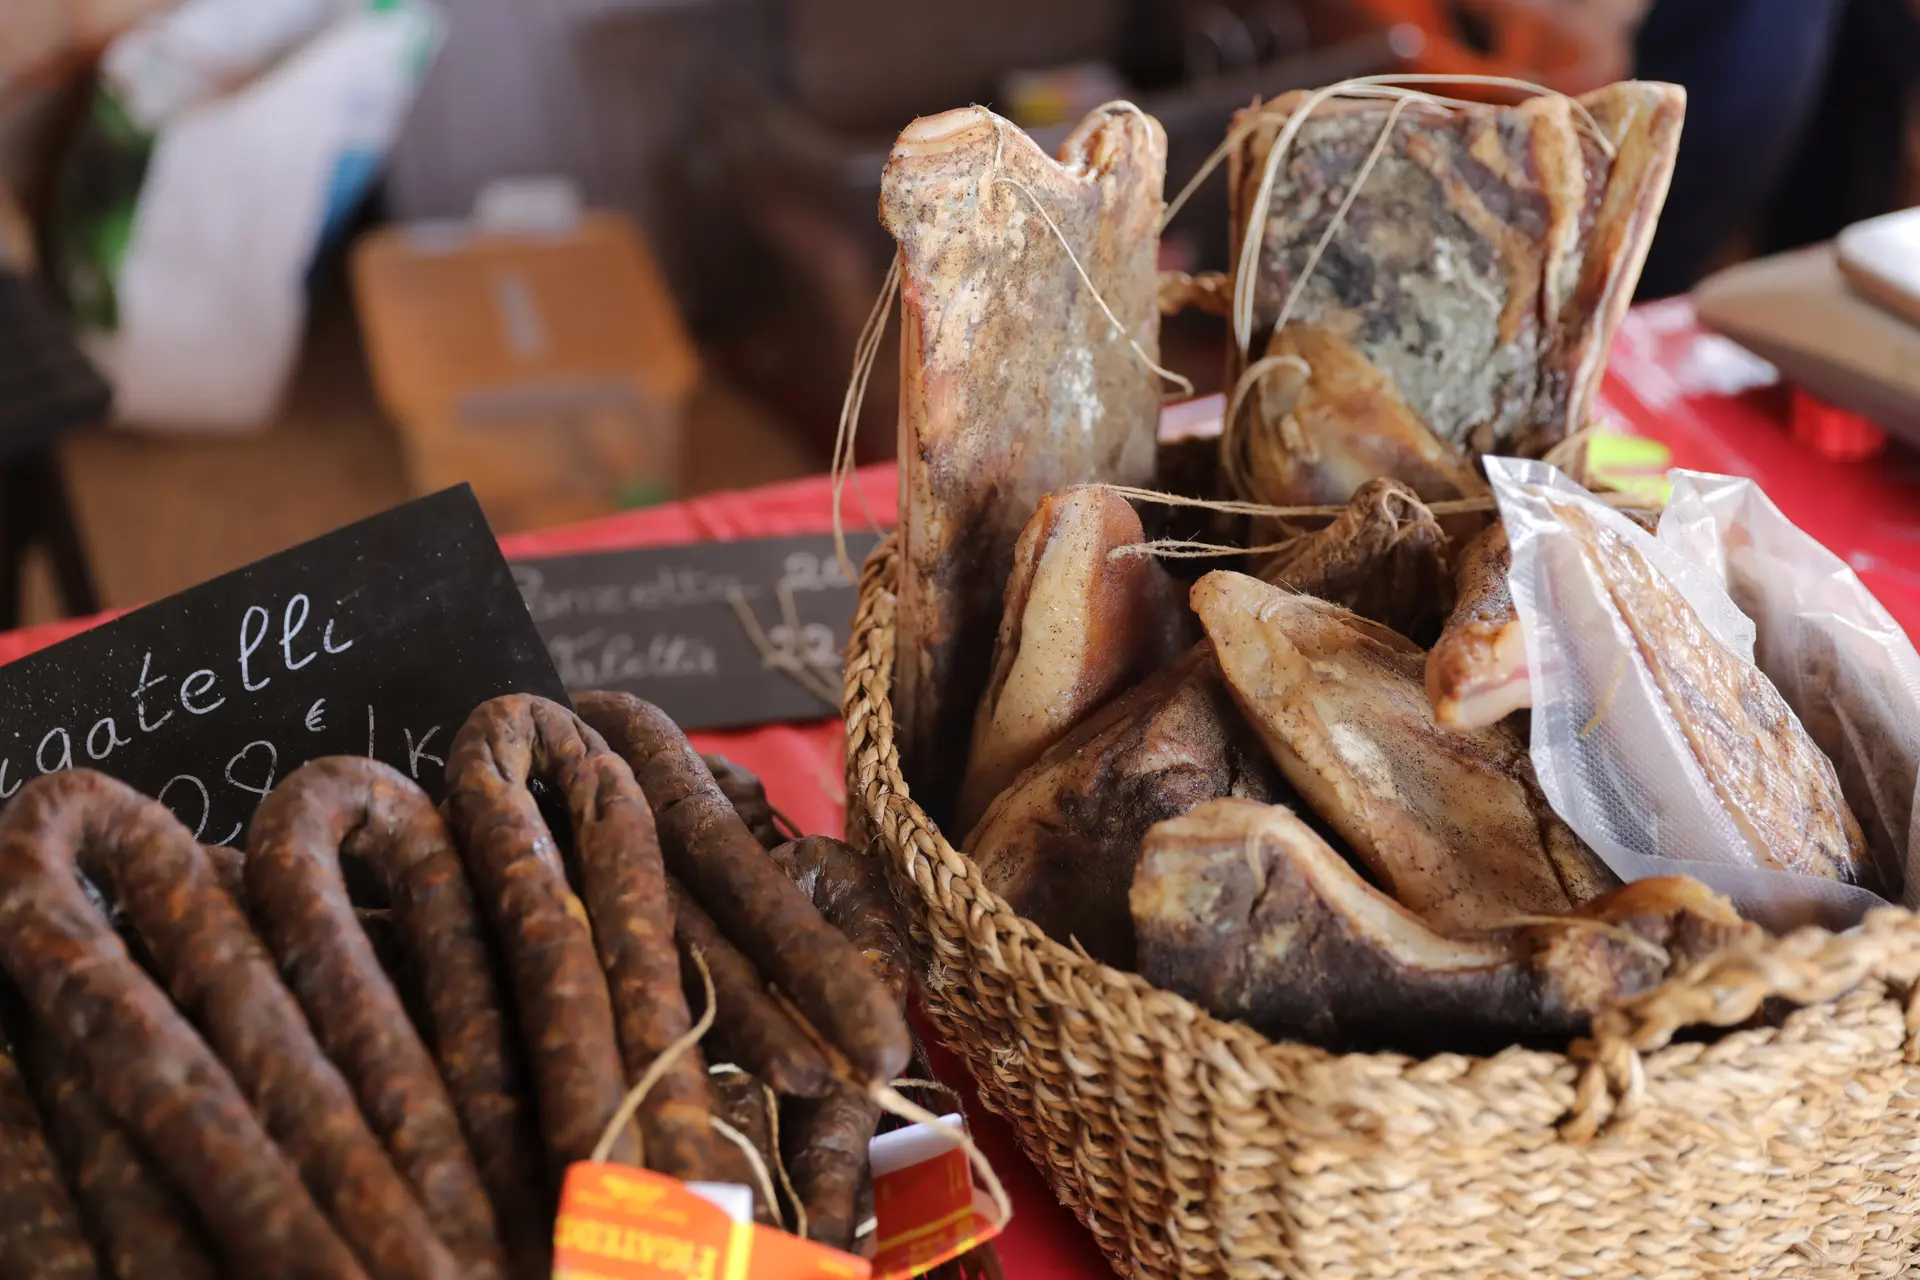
pixel 1809 966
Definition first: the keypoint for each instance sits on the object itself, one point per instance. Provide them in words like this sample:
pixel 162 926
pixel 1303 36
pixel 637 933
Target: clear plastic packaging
pixel 1848 670
pixel 1613 758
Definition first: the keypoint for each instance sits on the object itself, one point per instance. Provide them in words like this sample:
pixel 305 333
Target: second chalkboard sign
pixel 717 634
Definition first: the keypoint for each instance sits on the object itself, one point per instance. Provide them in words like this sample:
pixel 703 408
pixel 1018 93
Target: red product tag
pixel 926 1207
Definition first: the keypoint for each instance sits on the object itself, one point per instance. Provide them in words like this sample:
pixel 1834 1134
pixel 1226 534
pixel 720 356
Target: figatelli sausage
pixel 748 795
pixel 141 1227
pixel 298 898
pixel 850 890
pixel 827 1140
pixel 825 1144
pixel 727 871
pixel 40 1233
pixel 746 1105
pixel 751 1029
pixel 149 1068
pixel 585 1018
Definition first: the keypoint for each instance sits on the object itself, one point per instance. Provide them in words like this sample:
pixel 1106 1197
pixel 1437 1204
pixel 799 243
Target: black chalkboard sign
pixel 374 640
pixel 717 634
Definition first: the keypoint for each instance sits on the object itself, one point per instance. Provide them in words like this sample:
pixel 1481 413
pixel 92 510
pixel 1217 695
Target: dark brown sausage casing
pixel 594 1023
pixel 297 896
pixel 751 1029
pixel 150 1069
pixel 140 1225
pixel 825 1143
pixel 40 1233
pixel 748 796
pixel 728 872
pixel 850 890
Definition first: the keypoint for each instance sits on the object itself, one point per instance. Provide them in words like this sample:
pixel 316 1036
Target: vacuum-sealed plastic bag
pixel 1654 735
pixel 1843 664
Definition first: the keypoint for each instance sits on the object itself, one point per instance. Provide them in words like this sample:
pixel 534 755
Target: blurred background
pixel 271 265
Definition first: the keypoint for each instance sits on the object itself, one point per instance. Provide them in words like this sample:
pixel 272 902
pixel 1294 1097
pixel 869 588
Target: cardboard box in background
pixel 549 368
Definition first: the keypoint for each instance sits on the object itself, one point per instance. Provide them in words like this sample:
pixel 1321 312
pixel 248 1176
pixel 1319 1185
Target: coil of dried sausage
pixel 150 1069
pixel 751 1029
pixel 711 851
pixel 140 1226
pixel 588 1006
pixel 297 895
pixel 40 1233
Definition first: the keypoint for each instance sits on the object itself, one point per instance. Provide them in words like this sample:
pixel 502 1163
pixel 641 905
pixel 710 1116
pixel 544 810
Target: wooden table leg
pixel 72 572
pixel 34 509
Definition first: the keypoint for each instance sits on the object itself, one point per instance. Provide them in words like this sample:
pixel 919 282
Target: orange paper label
pixel 618 1223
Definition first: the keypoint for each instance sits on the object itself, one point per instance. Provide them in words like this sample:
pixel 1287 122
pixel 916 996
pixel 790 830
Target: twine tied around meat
pixel 1188 549
pixel 773 1139
pixel 885 1095
pixel 867 347
pixel 1234 440
pixel 754 1159
pixel 655 1072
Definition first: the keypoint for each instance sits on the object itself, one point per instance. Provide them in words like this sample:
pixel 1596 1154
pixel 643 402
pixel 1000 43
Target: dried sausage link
pixel 748 795
pixel 727 871
pixel 140 1225
pixel 851 891
pixel 40 1233
pixel 745 1103
pixel 825 1144
pixel 751 1029
pixel 151 1071
pixel 596 1010
pixel 297 896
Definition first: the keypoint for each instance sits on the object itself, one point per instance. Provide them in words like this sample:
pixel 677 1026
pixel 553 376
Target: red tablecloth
pixel 1666 380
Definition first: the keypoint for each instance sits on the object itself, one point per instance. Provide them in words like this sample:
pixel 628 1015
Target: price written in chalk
pixel 719 634
pixel 376 640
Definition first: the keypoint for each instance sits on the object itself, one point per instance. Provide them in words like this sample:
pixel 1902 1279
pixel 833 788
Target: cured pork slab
pixel 1013 381
pixel 1477 672
pixel 1452 824
pixel 1244 909
pixel 1384 557
pixel 1060 843
pixel 1781 793
pixel 1079 625
pixel 1465 304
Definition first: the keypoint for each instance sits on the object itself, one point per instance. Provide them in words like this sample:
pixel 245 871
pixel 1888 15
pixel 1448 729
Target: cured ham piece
pixel 1060 843
pixel 1477 672
pixel 1384 557
pixel 1014 383
pixel 1244 909
pixel 1465 303
pixel 1452 824
pixel 1080 624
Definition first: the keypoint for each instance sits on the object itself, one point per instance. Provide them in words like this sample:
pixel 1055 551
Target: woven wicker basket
pixel 1193 1147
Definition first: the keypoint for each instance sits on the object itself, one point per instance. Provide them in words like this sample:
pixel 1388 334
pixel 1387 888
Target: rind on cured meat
pixel 1080 623
pixel 1466 302
pixel 1013 381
